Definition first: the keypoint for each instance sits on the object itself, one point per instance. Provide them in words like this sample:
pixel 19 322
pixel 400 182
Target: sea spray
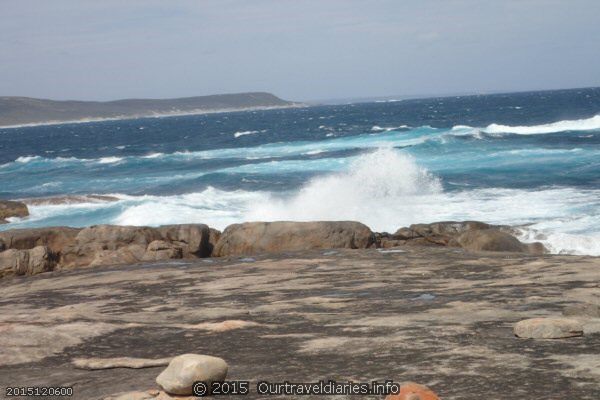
pixel 493 160
pixel 385 193
pixel 371 191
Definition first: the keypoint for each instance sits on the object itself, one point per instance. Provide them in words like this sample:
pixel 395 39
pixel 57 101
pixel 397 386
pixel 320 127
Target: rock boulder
pixel 123 255
pixel 109 244
pixel 159 250
pixel 192 239
pixel 27 262
pixel 490 240
pixel 184 370
pixel 470 235
pixel 112 237
pixel 10 209
pixel 548 328
pixel 148 395
pixel 55 238
pixel 119 362
pixel 281 236
pixel 101 245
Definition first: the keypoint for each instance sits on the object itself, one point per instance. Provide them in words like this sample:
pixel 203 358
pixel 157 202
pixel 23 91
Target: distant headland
pixel 19 111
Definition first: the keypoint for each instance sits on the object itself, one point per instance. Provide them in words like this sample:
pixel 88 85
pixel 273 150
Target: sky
pixel 299 50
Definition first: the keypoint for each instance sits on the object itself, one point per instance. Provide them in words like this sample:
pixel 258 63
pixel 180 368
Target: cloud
pixel 300 50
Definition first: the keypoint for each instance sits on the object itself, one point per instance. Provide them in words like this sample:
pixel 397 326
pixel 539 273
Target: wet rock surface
pixel 441 317
pixel 10 209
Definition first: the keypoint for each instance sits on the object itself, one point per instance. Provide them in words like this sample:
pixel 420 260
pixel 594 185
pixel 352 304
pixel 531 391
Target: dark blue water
pixel 524 158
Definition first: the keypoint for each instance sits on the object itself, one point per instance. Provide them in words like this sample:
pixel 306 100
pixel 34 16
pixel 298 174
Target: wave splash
pixel 385 189
pixel 369 191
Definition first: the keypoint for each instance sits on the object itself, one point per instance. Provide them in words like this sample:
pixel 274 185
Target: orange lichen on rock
pixel 413 391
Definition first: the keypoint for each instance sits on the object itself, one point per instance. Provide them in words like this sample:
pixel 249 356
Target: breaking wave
pixel 588 124
pixel 385 189
pixel 377 128
pixel 401 135
pixel 244 133
pixel 373 185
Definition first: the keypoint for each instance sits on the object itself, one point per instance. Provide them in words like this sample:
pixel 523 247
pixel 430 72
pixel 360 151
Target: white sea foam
pixel 214 207
pixel 563 243
pixel 368 191
pixel 465 130
pixel 26 159
pixel 588 124
pixel 153 155
pixel 461 127
pixel 109 160
pixel 385 190
pixel 38 159
pixel 386 101
pixel 271 150
pixel 377 128
pixel 285 149
pixel 244 133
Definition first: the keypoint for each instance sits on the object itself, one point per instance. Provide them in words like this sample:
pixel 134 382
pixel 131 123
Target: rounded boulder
pixel 184 370
pixel 548 328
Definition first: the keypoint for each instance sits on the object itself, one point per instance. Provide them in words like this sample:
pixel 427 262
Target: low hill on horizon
pixel 27 110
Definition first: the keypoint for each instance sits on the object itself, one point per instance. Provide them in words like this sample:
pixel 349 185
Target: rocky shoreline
pixel 441 316
pixel 140 313
pixel 39 250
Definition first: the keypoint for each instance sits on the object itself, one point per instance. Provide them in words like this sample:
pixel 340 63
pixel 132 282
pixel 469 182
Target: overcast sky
pixel 299 50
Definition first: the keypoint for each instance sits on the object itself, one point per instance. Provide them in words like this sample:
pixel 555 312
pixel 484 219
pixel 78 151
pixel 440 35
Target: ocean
pixel 525 159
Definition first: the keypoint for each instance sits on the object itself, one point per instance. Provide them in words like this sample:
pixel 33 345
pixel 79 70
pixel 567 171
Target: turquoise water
pixel 530 159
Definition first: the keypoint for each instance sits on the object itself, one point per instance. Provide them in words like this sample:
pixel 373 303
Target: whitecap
pixel 153 155
pixel 109 160
pixel 377 128
pixel 385 189
pixel 587 124
pixel 244 133
pixel 26 159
